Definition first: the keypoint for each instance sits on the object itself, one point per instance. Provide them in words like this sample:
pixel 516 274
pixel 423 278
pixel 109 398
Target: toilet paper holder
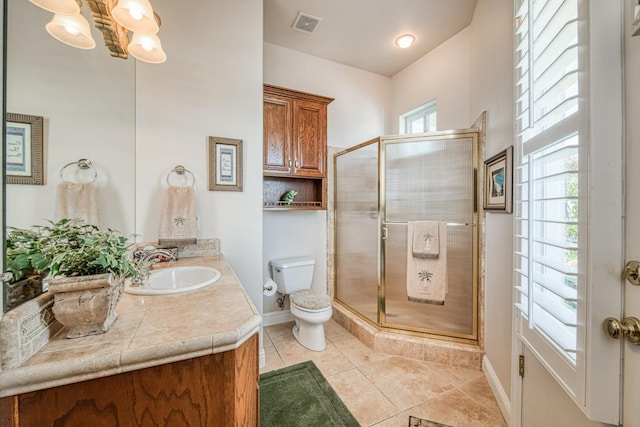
pixel 269 287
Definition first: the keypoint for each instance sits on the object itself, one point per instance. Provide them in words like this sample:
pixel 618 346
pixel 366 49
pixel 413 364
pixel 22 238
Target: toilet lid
pixel 310 300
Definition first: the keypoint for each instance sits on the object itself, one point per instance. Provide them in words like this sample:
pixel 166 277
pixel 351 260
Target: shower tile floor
pixel 383 390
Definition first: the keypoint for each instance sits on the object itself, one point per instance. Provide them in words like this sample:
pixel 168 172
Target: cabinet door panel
pixel 278 158
pixel 309 138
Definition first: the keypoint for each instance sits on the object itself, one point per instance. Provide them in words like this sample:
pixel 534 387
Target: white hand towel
pixel 427 277
pixel 77 200
pixel 178 217
pixel 426 239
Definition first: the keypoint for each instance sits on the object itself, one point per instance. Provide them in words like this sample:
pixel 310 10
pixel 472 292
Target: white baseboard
pixel 276 317
pixel 502 398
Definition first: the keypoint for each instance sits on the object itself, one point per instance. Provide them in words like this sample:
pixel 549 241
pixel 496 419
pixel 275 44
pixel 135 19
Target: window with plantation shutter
pixel 547 179
pixel 560 195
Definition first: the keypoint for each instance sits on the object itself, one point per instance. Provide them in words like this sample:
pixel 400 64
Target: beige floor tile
pixel 480 391
pixel 457 409
pixel 456 376
pixel 382 390
pixel 329 362
pixel 273 361
pixel 406 382
pixel 363 399
pixel 333 329
pixel 267 344
pixel 358 353
pixel 280 333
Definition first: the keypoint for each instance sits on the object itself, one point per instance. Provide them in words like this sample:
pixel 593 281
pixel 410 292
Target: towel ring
pixel 181 170
pixel 83 164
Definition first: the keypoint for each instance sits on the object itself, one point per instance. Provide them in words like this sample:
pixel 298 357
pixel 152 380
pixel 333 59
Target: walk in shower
pixel 381 187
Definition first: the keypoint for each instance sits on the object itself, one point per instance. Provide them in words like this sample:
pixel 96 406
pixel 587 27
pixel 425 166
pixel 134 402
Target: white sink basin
pixel 176 279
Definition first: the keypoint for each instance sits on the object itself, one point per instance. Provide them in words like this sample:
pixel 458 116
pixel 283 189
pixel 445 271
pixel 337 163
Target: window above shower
pixel 419 120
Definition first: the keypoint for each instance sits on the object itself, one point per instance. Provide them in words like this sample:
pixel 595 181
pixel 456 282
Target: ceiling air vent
pixel 306 23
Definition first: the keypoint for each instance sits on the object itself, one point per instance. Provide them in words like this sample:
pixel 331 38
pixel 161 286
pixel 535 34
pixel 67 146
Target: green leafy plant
pixel 24 255
pixel 70 248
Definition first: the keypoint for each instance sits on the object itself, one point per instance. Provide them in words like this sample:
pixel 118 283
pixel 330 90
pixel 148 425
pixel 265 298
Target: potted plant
pixel 86 271
pixel 27 264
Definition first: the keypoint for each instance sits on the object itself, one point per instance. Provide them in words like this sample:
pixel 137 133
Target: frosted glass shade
pixel 135 15
pixel 65 7
pixel 147 48
pixel 73 30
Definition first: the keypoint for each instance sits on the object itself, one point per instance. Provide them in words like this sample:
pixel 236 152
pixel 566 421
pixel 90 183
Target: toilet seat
pixel 308 300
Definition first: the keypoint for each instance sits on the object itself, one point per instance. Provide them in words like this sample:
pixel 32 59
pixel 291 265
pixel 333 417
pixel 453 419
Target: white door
pixel 544 402
pixel 631 395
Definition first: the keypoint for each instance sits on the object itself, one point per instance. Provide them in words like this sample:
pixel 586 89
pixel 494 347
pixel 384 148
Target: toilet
pixel 310 309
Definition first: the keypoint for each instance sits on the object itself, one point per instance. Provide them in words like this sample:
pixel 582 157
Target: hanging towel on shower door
pixel 426 239
pixel 178 217
pixel 77 200
pixel 427 277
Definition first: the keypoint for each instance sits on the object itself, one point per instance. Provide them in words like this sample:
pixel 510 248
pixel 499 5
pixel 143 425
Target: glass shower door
pixel 430 178
pixel 356 229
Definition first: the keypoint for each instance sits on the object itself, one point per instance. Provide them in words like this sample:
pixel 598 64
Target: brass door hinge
pixel 521 365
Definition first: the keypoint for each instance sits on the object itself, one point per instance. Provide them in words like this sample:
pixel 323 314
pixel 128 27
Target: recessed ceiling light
pixel 405 40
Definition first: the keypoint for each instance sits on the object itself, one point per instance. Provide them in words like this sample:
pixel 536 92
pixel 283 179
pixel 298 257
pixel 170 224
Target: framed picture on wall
pixel 225 164
pixel 498 182
pixel 24 149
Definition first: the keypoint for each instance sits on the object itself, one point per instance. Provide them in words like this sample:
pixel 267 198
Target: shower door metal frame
pixel 474 134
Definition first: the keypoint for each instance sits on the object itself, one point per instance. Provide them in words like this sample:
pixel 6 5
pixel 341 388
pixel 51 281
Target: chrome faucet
pixel 143 258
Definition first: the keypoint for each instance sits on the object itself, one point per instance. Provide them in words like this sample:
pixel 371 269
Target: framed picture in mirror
pixel 24 149
pixel 225 164
pixel 498 182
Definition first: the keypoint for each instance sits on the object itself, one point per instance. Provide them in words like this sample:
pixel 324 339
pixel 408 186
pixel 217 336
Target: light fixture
pixel 147 47
pixel 405 40
pixel 65 7
pixel 73 30
pixel 69 26
pixel 135 15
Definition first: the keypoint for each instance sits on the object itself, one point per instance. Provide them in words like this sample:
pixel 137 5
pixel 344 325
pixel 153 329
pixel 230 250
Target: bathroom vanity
pixel 182 359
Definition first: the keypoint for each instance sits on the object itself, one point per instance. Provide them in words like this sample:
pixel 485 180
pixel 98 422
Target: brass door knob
pixel 629 327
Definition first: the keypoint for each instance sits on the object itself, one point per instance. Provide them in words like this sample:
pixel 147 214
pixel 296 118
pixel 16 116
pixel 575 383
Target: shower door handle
pixel 385 233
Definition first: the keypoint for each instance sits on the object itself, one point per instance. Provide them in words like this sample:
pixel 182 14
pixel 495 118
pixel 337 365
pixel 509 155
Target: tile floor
pixel 383 390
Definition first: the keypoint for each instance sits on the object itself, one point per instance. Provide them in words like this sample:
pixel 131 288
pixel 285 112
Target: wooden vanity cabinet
pixel 295 147
pixel 215 390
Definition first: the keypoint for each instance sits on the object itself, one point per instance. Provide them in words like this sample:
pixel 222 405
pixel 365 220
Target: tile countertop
pixel 150 331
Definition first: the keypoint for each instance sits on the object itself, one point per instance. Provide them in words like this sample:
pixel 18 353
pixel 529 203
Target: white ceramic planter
pixel 86 304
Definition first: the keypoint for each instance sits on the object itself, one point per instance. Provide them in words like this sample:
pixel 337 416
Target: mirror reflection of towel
pixel 178 217
pixel 427 280
pixel 77 200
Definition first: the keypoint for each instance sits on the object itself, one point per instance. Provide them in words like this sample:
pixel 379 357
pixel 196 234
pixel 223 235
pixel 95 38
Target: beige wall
pixel 492 91
pixel 443 75
pixel 211 85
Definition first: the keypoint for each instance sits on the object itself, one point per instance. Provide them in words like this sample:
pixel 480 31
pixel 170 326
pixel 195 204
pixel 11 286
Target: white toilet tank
pixel 292 274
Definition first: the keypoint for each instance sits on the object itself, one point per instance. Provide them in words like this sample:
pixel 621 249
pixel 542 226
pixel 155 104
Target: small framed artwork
pixel 498 182
pixel 24 149
pixel 225 164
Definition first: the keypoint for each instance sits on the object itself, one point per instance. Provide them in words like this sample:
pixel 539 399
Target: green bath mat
pixel 299 395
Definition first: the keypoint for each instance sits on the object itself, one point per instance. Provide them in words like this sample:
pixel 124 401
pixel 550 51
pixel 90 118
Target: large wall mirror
pixel 86 99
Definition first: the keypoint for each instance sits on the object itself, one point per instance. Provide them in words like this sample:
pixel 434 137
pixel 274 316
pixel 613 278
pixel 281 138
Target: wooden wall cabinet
pixel 215 390
pixel 295 148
